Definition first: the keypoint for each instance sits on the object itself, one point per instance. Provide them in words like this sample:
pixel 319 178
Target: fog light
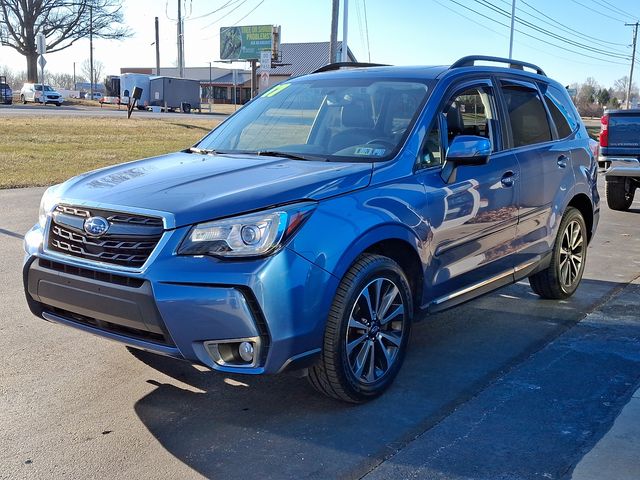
pixel 245 350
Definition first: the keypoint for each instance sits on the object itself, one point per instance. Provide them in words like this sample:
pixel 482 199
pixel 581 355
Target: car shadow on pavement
pixel 231 426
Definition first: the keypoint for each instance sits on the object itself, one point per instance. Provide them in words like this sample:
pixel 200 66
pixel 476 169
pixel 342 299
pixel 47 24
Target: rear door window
pixel 527 115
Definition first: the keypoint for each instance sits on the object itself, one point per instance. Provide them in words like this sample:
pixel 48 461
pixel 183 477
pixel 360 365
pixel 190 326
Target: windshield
pixel 338 119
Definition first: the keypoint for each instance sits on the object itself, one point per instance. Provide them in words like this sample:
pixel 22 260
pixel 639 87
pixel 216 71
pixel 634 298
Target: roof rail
pixel 471 59
pixel 338 65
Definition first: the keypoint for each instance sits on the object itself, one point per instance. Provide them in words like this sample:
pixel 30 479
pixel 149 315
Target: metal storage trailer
pixel 173 93
pixel 128 81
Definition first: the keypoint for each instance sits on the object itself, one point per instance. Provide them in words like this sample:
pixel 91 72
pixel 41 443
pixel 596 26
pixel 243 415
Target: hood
pixel 195 188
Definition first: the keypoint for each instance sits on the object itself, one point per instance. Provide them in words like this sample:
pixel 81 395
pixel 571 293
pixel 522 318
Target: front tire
pixel 562 277
pixel 367 331
pixel 620 192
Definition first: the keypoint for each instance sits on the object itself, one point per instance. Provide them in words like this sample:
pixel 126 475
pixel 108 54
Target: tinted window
pixel 561 110
pixel 528 118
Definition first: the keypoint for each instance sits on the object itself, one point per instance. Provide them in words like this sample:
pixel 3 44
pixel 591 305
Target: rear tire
pixel 367 331
pixel 620 192
pixel 22 99
pixel 563 275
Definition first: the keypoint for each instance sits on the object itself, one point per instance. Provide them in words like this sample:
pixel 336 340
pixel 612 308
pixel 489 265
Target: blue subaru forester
pixel 311 228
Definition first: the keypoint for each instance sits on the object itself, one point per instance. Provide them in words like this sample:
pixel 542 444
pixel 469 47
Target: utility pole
pixel 633 61
pixel 345 29
pixel 180 41
pixel 157 47
pixel 74 76
pixel 254 77
pixel 333 41
pixel 91 51
pixel 513 19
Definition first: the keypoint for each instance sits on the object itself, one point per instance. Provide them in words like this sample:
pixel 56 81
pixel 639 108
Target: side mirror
pixel 469 150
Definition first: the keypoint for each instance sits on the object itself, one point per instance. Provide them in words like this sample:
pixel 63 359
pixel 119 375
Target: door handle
pixel 562 161
pixel 507 179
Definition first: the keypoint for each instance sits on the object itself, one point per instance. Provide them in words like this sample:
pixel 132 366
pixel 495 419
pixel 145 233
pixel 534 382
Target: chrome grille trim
pixel 130 250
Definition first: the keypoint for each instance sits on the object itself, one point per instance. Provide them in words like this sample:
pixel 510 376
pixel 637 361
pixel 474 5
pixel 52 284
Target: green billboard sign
pixel 245 43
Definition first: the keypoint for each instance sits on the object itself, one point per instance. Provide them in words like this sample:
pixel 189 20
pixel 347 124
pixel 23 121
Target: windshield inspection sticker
pixel 372 152
pixel 276 90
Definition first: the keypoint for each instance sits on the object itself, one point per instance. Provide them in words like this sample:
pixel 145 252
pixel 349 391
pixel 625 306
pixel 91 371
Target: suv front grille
pixel 128 242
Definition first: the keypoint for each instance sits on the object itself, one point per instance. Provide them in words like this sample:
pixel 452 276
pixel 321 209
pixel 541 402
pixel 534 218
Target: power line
pixel 535 37
pixel 222 7
pixel 360 27
pixel 611 5
pixel 236 22
pixel 565 27
pixel 593 10
pixel 474 21
pixel 366 28
pixel 250 12
pixel 242 2
pixel 551 34
pixel 519 42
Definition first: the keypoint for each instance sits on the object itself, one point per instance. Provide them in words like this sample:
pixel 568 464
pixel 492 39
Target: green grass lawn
pixel 37 151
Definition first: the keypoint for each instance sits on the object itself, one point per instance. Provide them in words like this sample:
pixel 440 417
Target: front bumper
pixel 178 304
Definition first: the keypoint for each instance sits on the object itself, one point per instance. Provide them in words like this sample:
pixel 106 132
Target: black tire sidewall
pixel 386 268
pixel 619 192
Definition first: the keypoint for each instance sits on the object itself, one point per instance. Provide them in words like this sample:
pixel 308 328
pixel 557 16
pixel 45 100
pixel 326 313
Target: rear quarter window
pixel 561 109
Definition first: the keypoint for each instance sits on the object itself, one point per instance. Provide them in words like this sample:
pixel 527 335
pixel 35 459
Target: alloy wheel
pixel 375 330
pixel 571 254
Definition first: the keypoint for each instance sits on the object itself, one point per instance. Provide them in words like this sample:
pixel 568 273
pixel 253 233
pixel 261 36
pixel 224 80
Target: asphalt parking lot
pixel 506 386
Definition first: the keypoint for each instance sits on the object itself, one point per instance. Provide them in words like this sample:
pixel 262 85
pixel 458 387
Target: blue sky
pixel 401 32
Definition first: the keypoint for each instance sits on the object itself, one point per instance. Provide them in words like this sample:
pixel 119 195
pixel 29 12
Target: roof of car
pixel 434 72
pixel 388 71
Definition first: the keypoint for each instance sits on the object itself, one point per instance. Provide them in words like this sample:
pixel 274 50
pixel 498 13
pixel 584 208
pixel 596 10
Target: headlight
pixel 47 203
pixel 245 236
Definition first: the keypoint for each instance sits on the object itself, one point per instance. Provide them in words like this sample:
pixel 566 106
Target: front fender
pixel 341 228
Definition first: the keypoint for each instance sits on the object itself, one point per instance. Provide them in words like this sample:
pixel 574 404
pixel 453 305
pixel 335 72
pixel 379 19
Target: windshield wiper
pixel 292 156
pixel 205 151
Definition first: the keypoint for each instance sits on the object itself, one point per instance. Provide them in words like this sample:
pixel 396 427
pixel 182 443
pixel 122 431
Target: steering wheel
pixel 382 141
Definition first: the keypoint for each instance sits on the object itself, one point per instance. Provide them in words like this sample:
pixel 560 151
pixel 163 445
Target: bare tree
pixel 62 80
pixel 14 79
pixel 63 22
pixel 620 87
pixel 98 67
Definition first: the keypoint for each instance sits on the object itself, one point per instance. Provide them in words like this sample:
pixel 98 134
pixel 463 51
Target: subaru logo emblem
pixel 96 226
